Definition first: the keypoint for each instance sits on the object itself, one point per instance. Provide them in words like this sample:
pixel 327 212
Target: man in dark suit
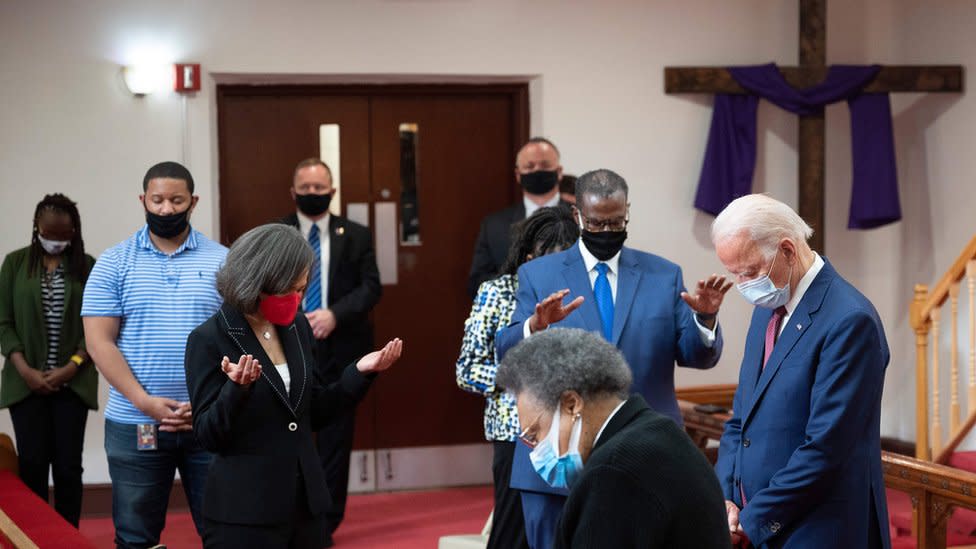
pixel 635 300
pixel 538 171
pixel 800 460
pixel 343 287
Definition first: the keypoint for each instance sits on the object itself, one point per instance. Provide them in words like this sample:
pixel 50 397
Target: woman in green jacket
pixel 48 381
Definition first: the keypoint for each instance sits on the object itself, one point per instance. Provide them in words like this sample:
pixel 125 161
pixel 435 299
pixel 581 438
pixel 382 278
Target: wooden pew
pixel 27 521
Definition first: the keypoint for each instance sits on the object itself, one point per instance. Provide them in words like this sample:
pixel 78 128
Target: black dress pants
pixel 303 531
pixel 334 443
pixel 507 523
pixel 50 431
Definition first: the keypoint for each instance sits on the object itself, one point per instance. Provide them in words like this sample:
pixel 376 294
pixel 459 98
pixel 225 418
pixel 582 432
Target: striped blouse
pixel 52 299
pixel 475 370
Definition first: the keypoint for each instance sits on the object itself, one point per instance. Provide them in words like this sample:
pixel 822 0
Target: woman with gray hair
pixel 636 479
pixel 265 487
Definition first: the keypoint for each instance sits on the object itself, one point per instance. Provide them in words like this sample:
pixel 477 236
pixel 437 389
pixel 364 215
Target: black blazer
pixel 645 485
pixel 354 289
pixel 261 435
pixel 494 239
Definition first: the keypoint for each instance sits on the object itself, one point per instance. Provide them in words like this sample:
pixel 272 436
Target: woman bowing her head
pixel 48 381
pixel 635 478
pixel 256 399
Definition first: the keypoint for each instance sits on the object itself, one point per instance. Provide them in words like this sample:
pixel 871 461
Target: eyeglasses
pixel 612 225
pixel 749 275
pixel 530 440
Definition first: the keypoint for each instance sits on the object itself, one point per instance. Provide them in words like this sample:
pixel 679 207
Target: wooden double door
pixel 421 166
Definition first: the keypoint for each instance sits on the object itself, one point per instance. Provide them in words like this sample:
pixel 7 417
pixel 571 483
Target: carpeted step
pixel 952 540
pixel 963 521
pixel 963 460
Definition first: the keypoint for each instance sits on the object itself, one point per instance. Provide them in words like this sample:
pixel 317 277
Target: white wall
pixel 66 123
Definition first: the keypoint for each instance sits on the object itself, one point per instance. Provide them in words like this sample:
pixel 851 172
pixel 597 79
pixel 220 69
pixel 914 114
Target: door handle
pixel 387 240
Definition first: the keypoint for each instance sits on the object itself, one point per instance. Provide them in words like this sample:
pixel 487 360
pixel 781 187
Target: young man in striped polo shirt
pixel 142 299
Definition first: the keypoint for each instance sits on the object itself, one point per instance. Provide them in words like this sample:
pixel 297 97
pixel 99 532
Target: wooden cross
pixel 812 70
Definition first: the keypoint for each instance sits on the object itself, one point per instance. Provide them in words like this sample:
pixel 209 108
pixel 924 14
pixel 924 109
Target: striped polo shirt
pixel 160 299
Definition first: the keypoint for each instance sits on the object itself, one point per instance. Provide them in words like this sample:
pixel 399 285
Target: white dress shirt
pixel 607 422
pixel 285 376
pixel 531 207
pixel 801 288
pixel 305 226
pixel 590 261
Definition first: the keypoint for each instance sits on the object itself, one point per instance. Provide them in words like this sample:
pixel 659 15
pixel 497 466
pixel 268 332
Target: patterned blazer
pixel 492 310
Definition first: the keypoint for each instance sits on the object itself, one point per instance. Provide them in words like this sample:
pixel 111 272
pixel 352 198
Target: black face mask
pixel 540 182
pixel 313 204
pixel 603 245
pixel 168 226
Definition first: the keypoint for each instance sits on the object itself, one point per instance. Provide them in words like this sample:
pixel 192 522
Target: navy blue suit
pixel 652 326
pixel 804 439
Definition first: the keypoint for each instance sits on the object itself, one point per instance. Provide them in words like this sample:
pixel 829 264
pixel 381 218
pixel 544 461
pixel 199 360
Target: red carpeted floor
pixel 401 520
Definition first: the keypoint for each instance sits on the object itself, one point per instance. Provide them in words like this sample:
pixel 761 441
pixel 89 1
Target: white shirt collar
pixel 804 283
pixel 305 224
pixel 590 260
pixel 531 207
pixel 607 422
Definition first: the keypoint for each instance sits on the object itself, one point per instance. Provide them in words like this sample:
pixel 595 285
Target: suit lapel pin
pixel 799 326
pixel 340 231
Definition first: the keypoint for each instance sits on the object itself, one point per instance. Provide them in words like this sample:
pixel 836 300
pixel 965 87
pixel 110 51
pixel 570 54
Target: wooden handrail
pixel 935 490
pixel 946 452
pixel 924 313
pixel 920 315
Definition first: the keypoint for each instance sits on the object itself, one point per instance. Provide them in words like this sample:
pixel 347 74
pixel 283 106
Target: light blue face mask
pixel 558 471
pixel 761 291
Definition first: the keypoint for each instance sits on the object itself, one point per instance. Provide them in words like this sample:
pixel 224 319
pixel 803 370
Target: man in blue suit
pixel 800 460
pixel 636 300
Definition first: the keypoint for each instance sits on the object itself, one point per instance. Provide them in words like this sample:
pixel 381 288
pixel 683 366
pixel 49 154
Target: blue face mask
pixel 761 291
pixel 558 471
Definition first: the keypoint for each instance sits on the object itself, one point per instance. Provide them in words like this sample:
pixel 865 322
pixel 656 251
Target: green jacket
pixel 22 329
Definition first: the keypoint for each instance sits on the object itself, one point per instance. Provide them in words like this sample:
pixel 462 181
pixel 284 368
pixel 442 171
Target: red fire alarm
pixel 187 77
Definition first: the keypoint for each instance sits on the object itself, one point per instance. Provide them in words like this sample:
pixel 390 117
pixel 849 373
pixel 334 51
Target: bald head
pixel 536 152
pixel 538 170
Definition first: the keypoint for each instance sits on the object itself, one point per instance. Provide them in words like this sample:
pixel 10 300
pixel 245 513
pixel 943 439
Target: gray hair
pixel 600 183
pixel 268 259
pixel 549 363
pixel 766 220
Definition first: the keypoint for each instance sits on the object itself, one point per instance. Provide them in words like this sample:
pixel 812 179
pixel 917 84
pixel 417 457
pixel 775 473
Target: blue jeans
pixel 142 480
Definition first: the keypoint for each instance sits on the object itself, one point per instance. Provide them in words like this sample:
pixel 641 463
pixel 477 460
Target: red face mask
pixel 280 309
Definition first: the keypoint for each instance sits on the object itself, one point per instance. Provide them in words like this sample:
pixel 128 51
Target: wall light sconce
pixel 145 79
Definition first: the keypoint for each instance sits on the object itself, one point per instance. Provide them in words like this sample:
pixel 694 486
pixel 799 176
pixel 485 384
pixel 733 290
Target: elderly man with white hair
pixel 800 460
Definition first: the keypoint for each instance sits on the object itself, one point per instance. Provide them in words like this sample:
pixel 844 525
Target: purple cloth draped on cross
pixel 730 156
